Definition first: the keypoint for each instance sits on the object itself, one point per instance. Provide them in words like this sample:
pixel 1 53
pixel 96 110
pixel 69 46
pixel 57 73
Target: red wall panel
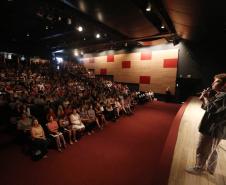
pixel 170 63
pixel 145 56
pixel 103 71
pixel 145 79
pixel 126 64
pixel 110 58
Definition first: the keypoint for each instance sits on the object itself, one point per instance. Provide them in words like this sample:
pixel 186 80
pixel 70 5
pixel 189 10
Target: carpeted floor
pixel 124 153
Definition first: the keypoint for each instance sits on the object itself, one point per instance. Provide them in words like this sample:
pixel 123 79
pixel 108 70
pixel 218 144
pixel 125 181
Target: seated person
pixel 86 120
pixel 118 107
pixel 55 133
pixel 39 142
pixel 92 116
pixel 24 124
pixel 76 122
pixel 66 128
pixel 60 112
pixel 127 105
pixel 122 103
pixel 24 127
pixel 110 115
pixel 84 115
pixel 51 113
pixel 100 113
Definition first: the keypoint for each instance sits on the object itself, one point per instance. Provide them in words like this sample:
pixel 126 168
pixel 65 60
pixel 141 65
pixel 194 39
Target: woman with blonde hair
pixel 39 141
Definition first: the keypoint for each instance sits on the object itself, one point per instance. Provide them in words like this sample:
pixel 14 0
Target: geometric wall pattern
pixel 154 70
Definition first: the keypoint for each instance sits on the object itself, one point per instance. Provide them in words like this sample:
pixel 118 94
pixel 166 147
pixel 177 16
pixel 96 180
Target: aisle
pixel 124 153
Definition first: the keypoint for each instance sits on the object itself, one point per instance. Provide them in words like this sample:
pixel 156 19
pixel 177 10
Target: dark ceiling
pixel 37 27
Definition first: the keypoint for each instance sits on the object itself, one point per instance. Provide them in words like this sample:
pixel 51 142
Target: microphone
pixel 204 90
pixel 208 93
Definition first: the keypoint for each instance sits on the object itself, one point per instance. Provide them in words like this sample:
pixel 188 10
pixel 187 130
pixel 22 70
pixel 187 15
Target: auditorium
pixel 109 92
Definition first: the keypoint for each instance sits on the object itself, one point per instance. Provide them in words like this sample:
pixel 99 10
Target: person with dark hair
pixel 212 126
pixel 168 95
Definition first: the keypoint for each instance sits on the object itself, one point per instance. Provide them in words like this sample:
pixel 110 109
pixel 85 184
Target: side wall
pixel 152 68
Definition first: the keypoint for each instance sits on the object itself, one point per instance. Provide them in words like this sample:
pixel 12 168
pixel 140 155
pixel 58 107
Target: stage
pixel 184 153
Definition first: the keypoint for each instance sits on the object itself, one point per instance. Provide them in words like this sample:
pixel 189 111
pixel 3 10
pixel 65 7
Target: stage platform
pixel 184 153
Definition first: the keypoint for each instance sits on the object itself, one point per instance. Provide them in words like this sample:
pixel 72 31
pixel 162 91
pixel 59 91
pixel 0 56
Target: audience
pixel 69 99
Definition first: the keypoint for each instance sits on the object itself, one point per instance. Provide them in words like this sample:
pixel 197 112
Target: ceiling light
pixel 148 8
pixel 28 34
pixel 97 35
pixel 162 26
pixel 22 58
pixel 9 56
pixel 84 38
pixel 69 21
pixel 80 28
pixel 59 60
pixel 59 51
pixel 59 18
pixel 76 52
pixel 49 17
pixel 47 27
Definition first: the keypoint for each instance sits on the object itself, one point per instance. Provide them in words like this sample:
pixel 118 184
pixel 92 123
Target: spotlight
pixel 59 60
pixel 59 51
pixel 80 28
pixel 49 17
pixel 148 8
pixel 76 52
pixel 9 56
pixel 22 58
pixel 69 21
pixel 97 35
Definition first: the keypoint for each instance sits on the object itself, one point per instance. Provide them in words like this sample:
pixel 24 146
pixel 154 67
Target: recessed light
pixel 69 22
pixel 80 28
pixel 162 26
pixel 97 35
pixel 22 58
pixel 28 34
pixel 84 38
pixel 148 8
pixel 47 27
pixel 76 52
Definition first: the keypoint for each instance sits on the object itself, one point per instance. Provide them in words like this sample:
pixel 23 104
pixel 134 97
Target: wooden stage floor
pixel 184 154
